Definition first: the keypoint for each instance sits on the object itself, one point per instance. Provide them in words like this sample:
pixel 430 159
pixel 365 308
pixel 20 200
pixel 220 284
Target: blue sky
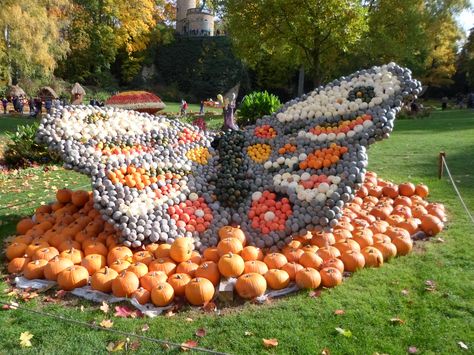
pixel 466 18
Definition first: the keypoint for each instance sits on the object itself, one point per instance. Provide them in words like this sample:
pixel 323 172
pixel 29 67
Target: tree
pixel 299 33
pixel 466 59
pixel 31 41
pixel 99 30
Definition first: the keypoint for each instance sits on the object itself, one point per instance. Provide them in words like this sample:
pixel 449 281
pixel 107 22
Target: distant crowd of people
pixel 94 102
pixel 35 104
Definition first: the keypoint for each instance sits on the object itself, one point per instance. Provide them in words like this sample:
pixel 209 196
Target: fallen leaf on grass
pixel 209 307
pixel 189 320
pixel 134 345
pixel 105 307
pixel 82 308
pixel 412 350
pixel 123 311
pixel 60 294
pixel 201 332
pixel 25 338
pixel 188 345
pixel 113 347
pixel 12 305
pixel 397 320
pixel 462 345
pixel 439 240
pixel 325 351
pixel 405 292
pixel 26 296
pixel 170 314
pixel 106 323
pixel 314 294
pixel 248 334
pixel 346 332
pixel 145 327
pixel 339 312
pixel 270 343
pixel 430 285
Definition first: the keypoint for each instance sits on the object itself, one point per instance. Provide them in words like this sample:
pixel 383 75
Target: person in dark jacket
pixel 4 104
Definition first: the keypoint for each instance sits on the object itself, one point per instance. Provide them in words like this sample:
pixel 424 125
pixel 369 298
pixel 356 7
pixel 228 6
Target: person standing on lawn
pixel 201 108
pixel 4 104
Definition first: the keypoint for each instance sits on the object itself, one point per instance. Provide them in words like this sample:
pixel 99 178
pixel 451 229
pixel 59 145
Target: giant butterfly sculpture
pixel 157 179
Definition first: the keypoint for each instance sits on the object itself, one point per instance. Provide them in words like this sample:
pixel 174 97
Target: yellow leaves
pixel 270 343
pixel 113 347
pixel 106 323
pixel 25 339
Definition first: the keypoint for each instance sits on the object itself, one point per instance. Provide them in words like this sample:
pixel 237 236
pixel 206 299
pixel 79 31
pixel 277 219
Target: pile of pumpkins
pixel 309 157
pixel 69 242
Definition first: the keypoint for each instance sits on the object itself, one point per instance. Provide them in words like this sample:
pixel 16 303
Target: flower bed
pixel 140 101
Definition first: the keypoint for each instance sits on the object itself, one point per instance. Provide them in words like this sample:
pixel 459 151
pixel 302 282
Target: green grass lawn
pixel 432 321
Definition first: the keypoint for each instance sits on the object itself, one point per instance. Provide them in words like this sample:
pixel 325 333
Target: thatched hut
pixel 15 90
pixel 47 93
pixel 78 94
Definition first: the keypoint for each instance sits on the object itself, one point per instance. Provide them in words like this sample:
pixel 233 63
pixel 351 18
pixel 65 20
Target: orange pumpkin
pixel 251 253
pixel 347 244
pixel 431 225
pixel 211 254
pixel 328 252
pixel 73 277
pixel 125 284
pixel 142 295
pixel 75 255
pixel 387 249
pixel 275 260
pixel 199 291
pixel 15 250
pixel 232 232
pixel 373 257
pixel 187 267
pixel 308 278
pixel 138 268
pixel 163 264
pixel 144 256
pixel 229 245
pixel 162 295
pixel 406 189
pixel 119 252
pixel 35 269
pixel 422 190
pixel 255 266
pixel 293 254
pixel 152 279
pixel 179 282
pixel 231 265
pixel 79 198
pixel 24 226
pixel 102 279
pixel 330 277
pixel 292 268
pixel 209 270
pixel 353 260
pixel 55 266
pixel 45 253
pixel 181 249
pixel 63 195
pixel 162 251
pixel 322 239
pixel 335 263
pixel 311 260
pixel 251 285
pixel 403 243
pixel 277 279
pixel 120 265
pixel 16 265
pixel 95 248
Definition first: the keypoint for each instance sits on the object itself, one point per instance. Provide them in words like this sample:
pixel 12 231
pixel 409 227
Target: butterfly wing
pixel 316 147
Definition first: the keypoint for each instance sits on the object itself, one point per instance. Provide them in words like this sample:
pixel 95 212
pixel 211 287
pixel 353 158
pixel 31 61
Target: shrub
pixel 256 105
pixel 22 150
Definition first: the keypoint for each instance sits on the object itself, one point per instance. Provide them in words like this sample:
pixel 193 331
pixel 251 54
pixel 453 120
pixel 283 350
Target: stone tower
pixel 182 7
pixel 192 20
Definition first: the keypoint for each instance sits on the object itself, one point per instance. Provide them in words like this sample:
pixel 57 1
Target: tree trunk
pixel 301 81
